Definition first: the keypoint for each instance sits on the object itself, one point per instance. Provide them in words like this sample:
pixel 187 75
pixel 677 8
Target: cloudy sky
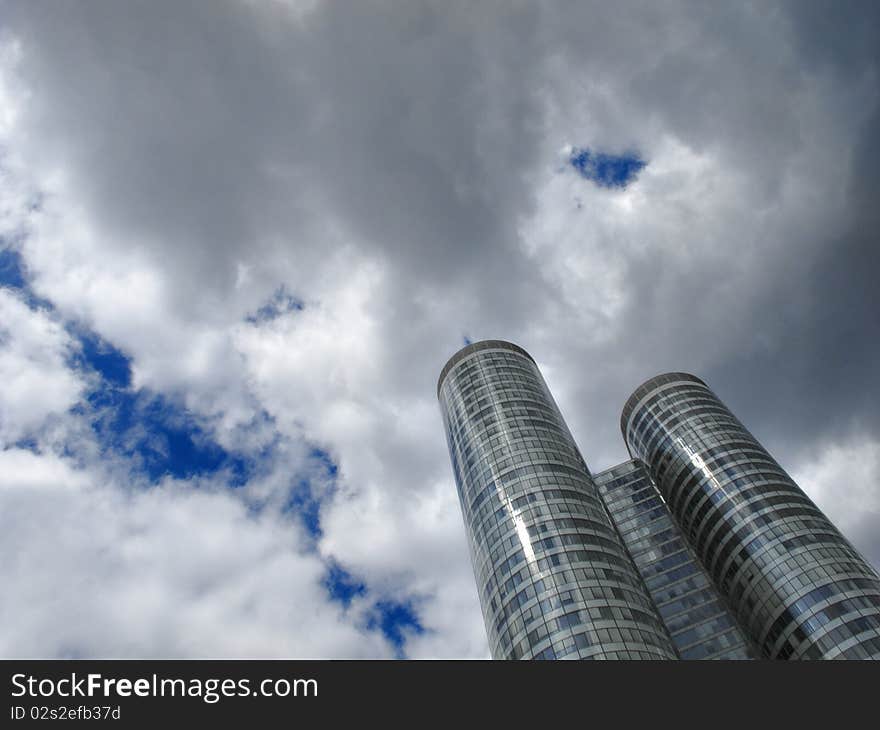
pixel 239 240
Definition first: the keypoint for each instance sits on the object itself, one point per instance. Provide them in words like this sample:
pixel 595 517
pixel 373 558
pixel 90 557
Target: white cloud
pixel 36 380
pixel 842 479
pixel 179 570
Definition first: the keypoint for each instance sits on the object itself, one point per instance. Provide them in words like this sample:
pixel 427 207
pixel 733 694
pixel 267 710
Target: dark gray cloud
pixel 216 136
pixel 812 376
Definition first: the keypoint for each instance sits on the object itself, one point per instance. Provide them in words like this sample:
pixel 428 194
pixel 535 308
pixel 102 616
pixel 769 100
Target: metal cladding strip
pixel 474 348
pixel 794 583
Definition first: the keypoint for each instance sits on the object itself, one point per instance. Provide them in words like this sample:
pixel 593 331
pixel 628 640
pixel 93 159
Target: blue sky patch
pixel 281 303
pixel 308 492
pixel 394 619
pixel 99 355
pixel 305 503
pixel 11 269
pixel 160 436
pixel 342 585
pixel 324 462
pixel 607 171
pixel 13 275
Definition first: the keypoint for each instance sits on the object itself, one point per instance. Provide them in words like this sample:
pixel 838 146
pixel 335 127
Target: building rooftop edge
pixel 634 462
pixel 476 347
pixel 640 391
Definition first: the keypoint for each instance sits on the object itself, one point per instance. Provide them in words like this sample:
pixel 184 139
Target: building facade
pixel 700 547
pixel 553 577
pixel 695 614
pixel 794 583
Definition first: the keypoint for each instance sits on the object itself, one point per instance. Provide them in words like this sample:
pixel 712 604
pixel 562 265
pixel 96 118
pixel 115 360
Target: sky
pixel 239 241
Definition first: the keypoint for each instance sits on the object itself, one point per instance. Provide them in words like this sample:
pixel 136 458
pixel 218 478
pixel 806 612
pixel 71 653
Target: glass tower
pixel 794 583
pixel 695 614
pixel 553 577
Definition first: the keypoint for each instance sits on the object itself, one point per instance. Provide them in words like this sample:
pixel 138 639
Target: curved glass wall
pixel 795 584
pixel 553 577
pixel 695 615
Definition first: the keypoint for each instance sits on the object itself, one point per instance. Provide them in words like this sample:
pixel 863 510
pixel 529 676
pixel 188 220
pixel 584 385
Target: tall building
pixel 694 612
pixel 795 584
pixel 553 577
pixel 700 547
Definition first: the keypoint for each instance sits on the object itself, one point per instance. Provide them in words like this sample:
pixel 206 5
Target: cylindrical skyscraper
pixel 795 583
pixel 553 576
